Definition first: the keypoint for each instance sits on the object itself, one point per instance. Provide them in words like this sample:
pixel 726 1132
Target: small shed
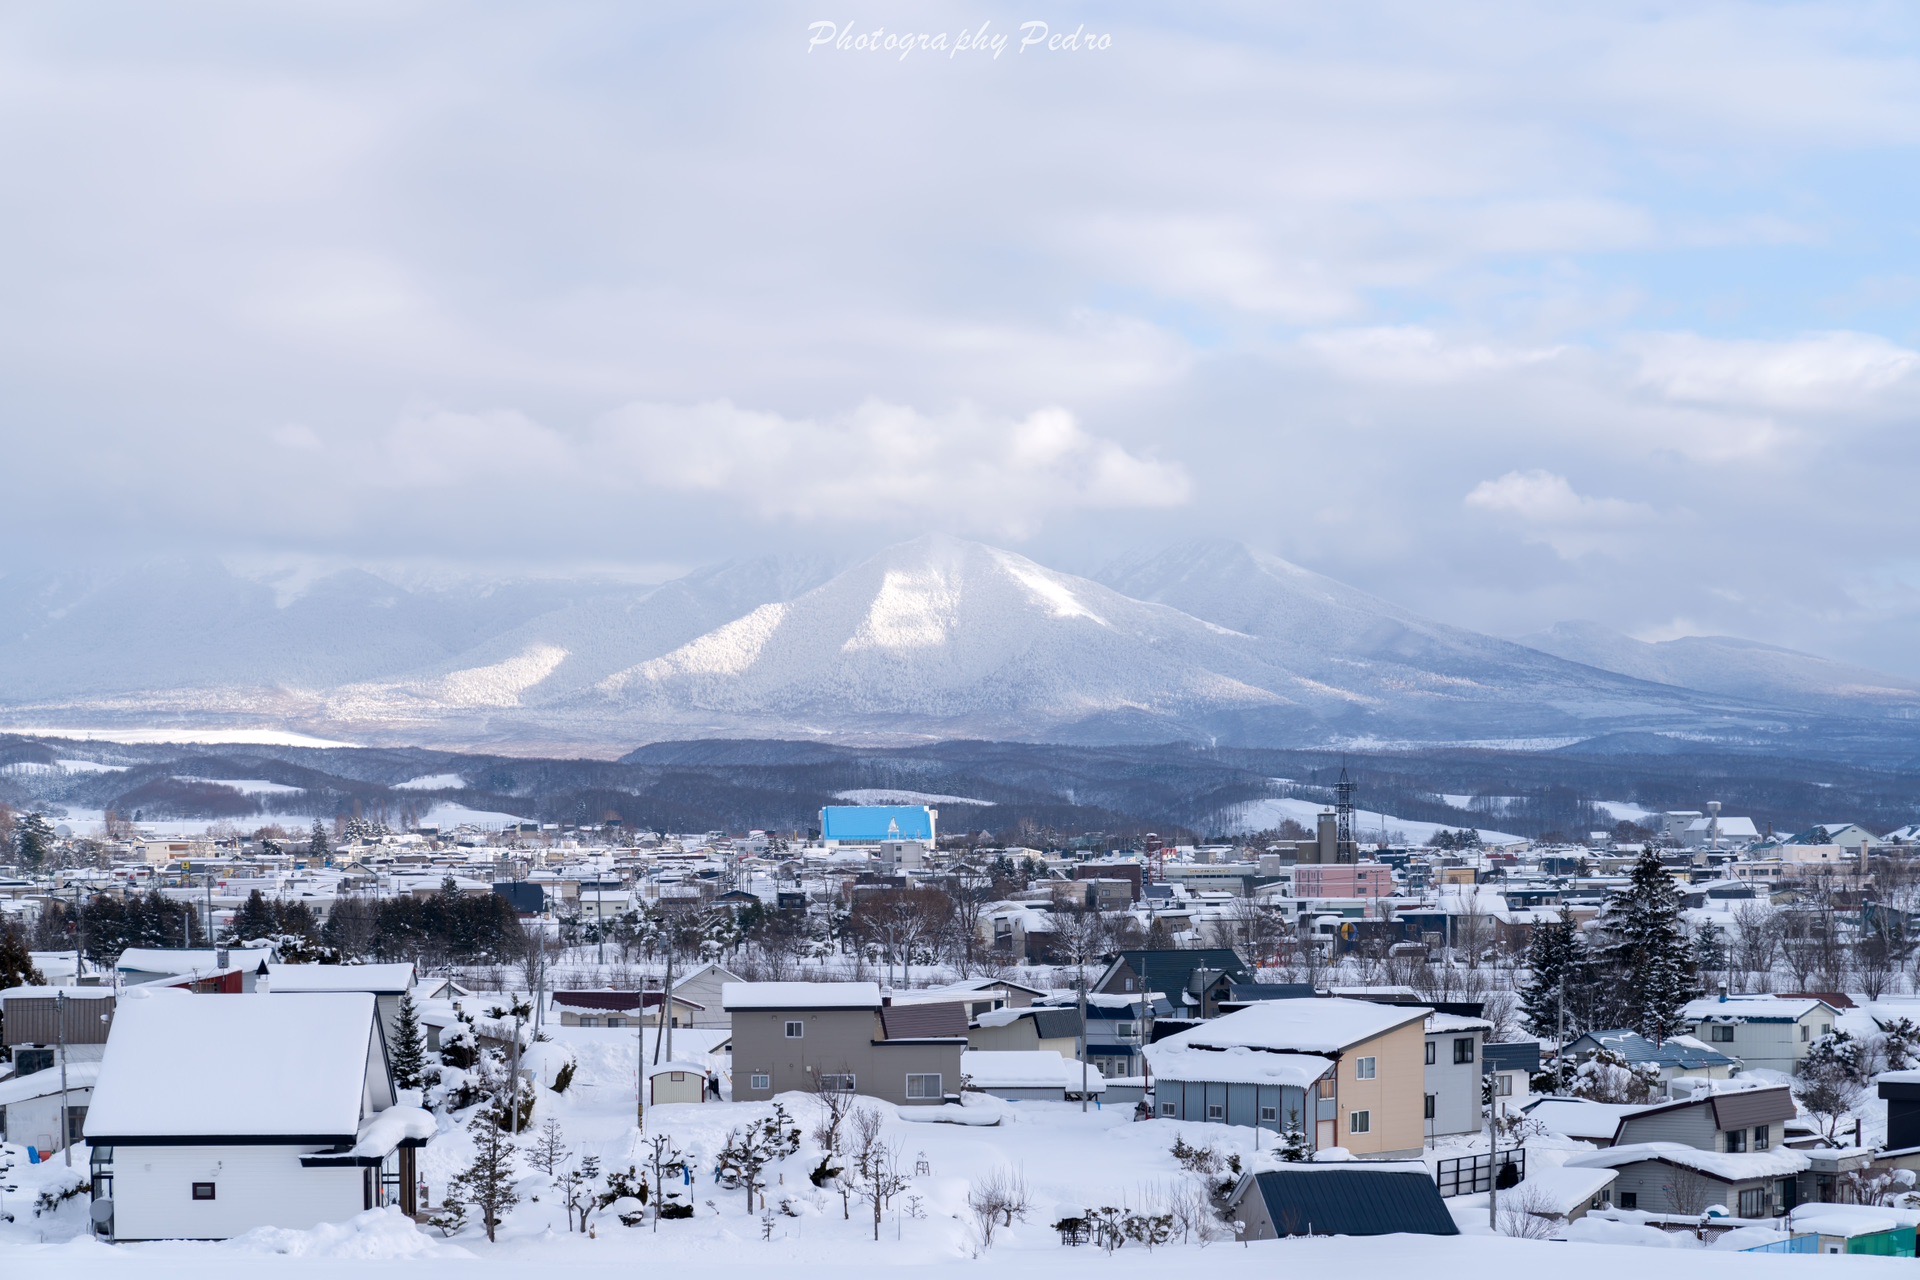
pixel 1349 1198
pixel 1029 1074
pixel 671 1082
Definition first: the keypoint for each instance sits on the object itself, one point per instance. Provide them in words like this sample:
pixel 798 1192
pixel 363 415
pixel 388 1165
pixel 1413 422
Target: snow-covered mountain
pixel 1724 664
pixel 935 638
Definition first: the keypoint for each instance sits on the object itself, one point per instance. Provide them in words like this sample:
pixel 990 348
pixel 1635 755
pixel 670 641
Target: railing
pixel 1470 1175
pixel 1793 1244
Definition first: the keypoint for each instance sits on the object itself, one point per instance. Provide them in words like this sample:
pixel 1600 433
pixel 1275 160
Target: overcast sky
pixel 1507 313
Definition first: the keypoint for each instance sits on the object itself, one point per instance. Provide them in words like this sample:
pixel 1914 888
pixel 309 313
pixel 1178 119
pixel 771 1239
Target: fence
pixel 1793 1244
pixel 1469 1175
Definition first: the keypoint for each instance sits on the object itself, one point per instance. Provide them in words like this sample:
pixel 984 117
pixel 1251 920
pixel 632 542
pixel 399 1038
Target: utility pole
pixel 60 1039
pixel 1493 1155
pixel 513 1082
pixel 1082 954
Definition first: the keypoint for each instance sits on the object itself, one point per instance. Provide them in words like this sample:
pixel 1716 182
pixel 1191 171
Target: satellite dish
pixel 102 1214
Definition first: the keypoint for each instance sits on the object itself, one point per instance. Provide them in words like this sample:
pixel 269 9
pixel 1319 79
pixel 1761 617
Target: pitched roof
pixel 1353 1200
pixel 236 1066
pixel 1301 1026
pixel 1172 969
pixel 1682 1053
pixel 924 1021
pixel 800 995
pixel 381 979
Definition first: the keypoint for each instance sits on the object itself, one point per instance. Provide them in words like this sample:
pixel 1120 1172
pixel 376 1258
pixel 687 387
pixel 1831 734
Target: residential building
pixel 701 989
pixel 1193 981
pixel 1025 1075
pixel 1672 1177
pixel 302 1128
pixel 801 1036
pixel 1342 1199
pixel 1511 1068
pixel 1769 1032
pixel 1452 1083
pixel 1054 1029
pixel 46 1109
pixel 620 1008
pixel 386 983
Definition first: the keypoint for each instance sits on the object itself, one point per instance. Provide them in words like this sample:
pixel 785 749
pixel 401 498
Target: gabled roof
pixel 1172 970
pixel 1750 1009
pixel 381 979
pixel 1681 1053
pixel 1736 1108
pixel 799 995
pixel 238 1067
pixel 1300 1026
pixel 1350 1199
pixel 924 1021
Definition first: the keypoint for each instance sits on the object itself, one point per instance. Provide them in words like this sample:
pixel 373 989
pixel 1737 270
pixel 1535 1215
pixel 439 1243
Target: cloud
pixel 1549 511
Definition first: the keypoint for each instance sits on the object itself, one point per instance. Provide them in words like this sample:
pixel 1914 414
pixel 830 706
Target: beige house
pixel 802 1036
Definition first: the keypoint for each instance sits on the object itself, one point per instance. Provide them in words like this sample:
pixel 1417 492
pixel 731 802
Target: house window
pixel 924 1086
pixel 1503 1084
pixel 1722 1033
pixel 616 1022
pixel 1216 1111
pixel 1126 1030
pixel 203 1191
pixel 1806 1032
pixel 1736 1139
pixel 1269 1113
pixel 842 1083
pixel 796 1029
pixel 1366 1068
pixel 1826 1028
pixel 1463 1049
pixel 1166 1108
pixel 1753 1202
pixel 1433 1053
pixel 1762 1137
pixel 1629 1199
pixel 1129 984
pixel 679 1077
pixel 759 1080
pixel 1360 1122
pixel 1426 1108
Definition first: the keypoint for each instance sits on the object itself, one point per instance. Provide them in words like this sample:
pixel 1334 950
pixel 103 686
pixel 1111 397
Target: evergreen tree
pixel 409 1048
pixel 1644 960
pixel 1709 955
pixel 1553 955
pixel 33 844
pixel 256 918
pixel 487 1183
pixel 318 845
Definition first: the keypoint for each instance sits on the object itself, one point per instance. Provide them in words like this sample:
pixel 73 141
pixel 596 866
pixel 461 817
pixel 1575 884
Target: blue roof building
pixel 872 823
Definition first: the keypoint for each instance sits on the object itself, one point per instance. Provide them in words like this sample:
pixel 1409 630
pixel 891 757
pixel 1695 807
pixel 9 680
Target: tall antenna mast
pixel 1343 805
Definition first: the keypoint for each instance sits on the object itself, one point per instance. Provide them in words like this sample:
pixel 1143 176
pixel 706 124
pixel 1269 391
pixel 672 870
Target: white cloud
pixel 1550 511
pixel 1821 372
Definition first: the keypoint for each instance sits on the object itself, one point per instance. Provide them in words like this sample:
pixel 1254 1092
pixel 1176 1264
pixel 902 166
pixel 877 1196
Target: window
pixel 1722 1033
pixel 796 1029
pixel 1629 1199
pixel 1426 1108
pixel 1215 1111
pixel 1360 1122
pixel 1366 1068
pixel 1826 1028
pixel 1503 1084
pixel 679 1077
pixel 616 1022
pixel 1806 1032
pixel 759 1080
pixel 1269 1113
pixel 1433 1053
pixel 1753 1202
pixel 1127 1030
pixel 203 1191
pixel 1166 1108
pixel 76 1124
pixel 1762 1137
pixel 924 1086
pixel 1736 1139
pixel 1129 984
pixel 842 1083
pixel 1463 1049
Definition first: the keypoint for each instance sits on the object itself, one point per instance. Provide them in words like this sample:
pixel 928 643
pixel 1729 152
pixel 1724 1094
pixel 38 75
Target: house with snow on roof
pixel 846 1036
pixel 1771 1033
pixel 1675 1057
pixel 214 1116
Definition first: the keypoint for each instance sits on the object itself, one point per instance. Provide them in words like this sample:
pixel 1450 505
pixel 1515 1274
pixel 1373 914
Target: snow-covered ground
pixel 208 737
pixel 1265 815
pixel 886 795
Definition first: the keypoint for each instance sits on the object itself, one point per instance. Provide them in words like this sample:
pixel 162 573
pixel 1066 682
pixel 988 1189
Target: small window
pixel 616 1022
pixel 203 1191
pixel 1736 1140
pixel 1366 1068
pixel 1463 1049
pixel 1426 1109
pixel 1166 1108
pixel 1129 984
pixel 1762 1137
pixel 1360 1122
pixel 1722 1033
pixel 1629 1199
pixel 1126 1030
pixel 1806 1032
pixel 842 1083
pixel 679 1077
pixel 1753 1202
pixel 759 1080
pixel 1433 1053
pixel 924 1086
pixel 1826 1028
pixel 796 1029
pixel 1503 1084
pixel 1215 1111
pixel 1269 1113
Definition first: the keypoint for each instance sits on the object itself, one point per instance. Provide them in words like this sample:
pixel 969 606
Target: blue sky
pixel 1509 313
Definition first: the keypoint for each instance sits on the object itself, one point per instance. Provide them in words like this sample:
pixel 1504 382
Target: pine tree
pixel 1709 955
pixel 317 844
pixel 549 1150
pixel 409 1048
pixel 254 919
pixel 1644 960
pixel 33 846
pixel 487 1183
pixel 1553 955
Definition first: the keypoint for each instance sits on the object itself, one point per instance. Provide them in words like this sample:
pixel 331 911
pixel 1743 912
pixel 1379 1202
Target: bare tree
pixel 997 1200
pixel 876 1164
pixel 1529 1213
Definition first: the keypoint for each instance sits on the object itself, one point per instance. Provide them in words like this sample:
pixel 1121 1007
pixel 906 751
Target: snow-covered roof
pixel 1441 1022
pixel 1237 1064
pixel 156 960
pixel 676 1065
pixel 387 1130
pixel 80 1075
pixel 48 993
pixel 234 1065
pixel 1564 1189
pixel 1303 1026
pixel 382 979
pixel 800 995
pixel 1027 1069
pixel 1578 1118
pixel 1728 1166
pixel 1750 1009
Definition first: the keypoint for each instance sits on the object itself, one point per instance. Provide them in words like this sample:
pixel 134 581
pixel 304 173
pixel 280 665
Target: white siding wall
pixel 254 1187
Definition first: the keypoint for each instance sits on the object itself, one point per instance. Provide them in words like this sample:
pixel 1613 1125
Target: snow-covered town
pixel 349 1041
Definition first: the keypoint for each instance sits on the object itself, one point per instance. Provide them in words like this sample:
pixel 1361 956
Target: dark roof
pixel 1636 1048
pixel 923 1021
pixel 1056 1024
pixel 615 1001
pixel 1353 1200
pixel 1172 970
pixel 1735 1109
pixel 1246 992
pixel 1524 1056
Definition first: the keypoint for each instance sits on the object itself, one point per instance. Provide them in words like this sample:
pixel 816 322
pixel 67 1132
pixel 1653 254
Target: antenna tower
pixel 1343 805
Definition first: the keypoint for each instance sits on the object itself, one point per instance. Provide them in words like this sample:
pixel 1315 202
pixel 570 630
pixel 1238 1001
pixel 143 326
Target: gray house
pixel 1735 1121
pixel 1773 1032
pixel 1452 1103
pixel 702 989
pixel 1679 1056
pixel 1723 1148
pixel 800 1036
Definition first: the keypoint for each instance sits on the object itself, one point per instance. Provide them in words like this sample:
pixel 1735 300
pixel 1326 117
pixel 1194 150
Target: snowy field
pixel 1265 815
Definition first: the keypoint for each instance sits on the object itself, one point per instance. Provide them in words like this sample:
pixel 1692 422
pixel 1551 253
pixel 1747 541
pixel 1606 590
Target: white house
pixel 1452 1085
pixel 213 1115
pixel 1770 1032
pixel 701 988
pixel 30 1106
